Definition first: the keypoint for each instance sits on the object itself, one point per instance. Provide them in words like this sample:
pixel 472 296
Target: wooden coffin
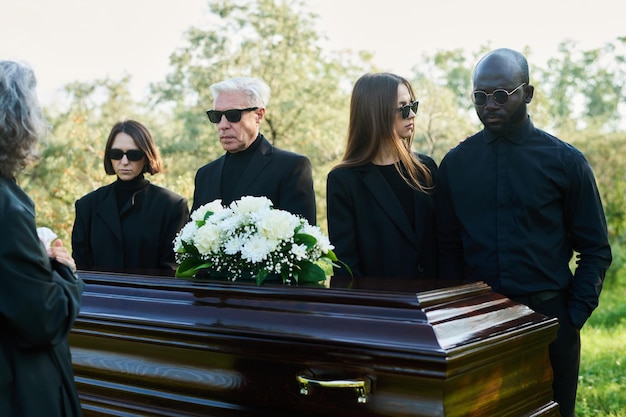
pixel 159 346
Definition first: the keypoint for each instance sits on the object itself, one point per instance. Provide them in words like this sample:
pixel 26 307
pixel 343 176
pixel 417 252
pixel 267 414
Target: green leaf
pixel 260 277
pixel 305 239
pixel 331 255
pixel 191 249
pixel 207 215
pixel 190 267
pixel 310 272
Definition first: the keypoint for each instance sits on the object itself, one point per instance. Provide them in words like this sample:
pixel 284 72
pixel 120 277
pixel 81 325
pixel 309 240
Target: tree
pixel 584 88
pixel 275 41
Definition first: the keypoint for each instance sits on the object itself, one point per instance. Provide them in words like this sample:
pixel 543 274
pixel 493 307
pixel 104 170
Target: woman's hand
pixel 59 253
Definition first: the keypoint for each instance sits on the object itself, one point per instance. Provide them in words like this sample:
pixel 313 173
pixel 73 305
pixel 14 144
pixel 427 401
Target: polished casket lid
pixel 156 345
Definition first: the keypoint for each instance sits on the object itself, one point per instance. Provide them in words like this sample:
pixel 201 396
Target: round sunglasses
pixel 500 96
pixel 232 115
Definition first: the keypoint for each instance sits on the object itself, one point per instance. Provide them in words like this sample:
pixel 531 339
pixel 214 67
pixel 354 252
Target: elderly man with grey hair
pixel 251 165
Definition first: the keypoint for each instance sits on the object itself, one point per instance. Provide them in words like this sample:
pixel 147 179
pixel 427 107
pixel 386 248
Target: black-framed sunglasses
pixel 406 109
pixel 232 115
pixel 500 96
pixel 133 155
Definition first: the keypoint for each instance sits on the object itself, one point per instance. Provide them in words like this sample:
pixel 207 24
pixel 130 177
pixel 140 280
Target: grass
pixel 602 378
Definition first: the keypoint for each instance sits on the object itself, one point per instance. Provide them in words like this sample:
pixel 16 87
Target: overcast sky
pixel 69 40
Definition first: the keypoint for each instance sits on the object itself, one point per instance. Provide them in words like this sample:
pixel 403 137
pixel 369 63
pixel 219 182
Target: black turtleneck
pixel 124 190
pixel 234 166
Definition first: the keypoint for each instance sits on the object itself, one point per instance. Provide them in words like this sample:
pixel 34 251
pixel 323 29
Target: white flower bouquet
pixel 250 239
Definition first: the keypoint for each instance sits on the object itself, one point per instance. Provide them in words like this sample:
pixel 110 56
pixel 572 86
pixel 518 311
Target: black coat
pixel 370 230
pixel 140 237
pixel 286 178
pixel 39 301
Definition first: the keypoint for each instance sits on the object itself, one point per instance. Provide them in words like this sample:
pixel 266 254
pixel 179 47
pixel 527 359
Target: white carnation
pixel 248 204
pixel 214 206
pixel 278 225
pixel 207 239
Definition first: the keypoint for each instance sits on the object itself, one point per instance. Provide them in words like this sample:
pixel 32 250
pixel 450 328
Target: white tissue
pixel 46 236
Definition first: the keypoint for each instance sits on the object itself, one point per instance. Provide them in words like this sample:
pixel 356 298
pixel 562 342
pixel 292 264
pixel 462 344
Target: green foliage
pixel 585 88
pixel 606 153
pixel 602 378
pixel 440 124
pixel 275 41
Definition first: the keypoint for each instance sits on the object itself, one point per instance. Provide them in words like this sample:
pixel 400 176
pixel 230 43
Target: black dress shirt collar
pixel 517 135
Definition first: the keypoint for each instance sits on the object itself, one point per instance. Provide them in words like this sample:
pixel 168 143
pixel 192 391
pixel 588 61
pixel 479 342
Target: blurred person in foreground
pixel 380 203
pixel 514 204
pixel 252 166
pixel 39 293
pixel 130 224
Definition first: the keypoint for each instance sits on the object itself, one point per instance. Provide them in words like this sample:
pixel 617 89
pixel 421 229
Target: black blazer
pixel 39 301
pixel 286 178
pixel 369 228
pixel 140 238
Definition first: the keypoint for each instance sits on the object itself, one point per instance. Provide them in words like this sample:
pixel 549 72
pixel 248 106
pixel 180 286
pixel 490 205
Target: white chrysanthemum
pixel 207 239
pixel 323 242
pixel 257 248
pixel 299 251
pixel 249 204
pixel 185 234
pixel 233 245
pixel 278 225
pixel 228 224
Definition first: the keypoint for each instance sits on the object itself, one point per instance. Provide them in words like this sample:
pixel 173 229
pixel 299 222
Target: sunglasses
pixel 232 115
pixel 406 109
pixel 500 96
pixel 131 154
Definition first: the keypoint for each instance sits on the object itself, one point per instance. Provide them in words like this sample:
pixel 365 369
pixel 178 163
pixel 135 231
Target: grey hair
pixel 257 91
pixel 22 123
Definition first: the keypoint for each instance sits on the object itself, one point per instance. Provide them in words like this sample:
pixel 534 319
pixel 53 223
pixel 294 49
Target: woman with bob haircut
pixel 380 206
pixel 130 224
pixel 39 293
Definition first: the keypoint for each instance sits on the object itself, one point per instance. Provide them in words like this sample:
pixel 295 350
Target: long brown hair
pixel 373 108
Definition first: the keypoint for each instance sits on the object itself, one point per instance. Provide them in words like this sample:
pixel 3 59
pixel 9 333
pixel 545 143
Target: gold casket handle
pixel 361 385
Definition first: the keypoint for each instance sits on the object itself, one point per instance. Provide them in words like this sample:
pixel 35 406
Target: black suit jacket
pixel 286 178
pixel 141 237
pixel 370 230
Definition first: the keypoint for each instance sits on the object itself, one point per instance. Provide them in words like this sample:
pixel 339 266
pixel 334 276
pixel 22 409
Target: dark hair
pixel 21 120
pixel 373 109
pixel 144 141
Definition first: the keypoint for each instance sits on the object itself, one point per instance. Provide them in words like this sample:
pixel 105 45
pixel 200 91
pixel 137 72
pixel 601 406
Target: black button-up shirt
pixel 512 210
